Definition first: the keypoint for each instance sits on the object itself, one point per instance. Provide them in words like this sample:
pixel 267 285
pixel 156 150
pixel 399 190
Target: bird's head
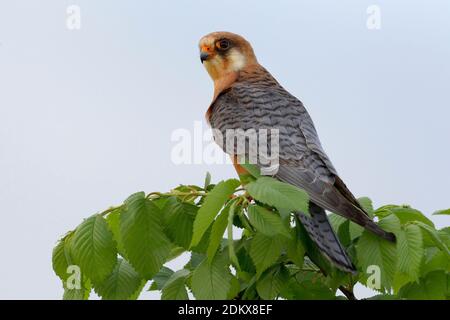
pixel 224 53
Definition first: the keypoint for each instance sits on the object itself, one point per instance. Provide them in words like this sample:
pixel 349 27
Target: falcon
pixel 248 97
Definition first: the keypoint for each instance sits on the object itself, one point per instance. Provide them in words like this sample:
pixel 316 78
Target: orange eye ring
pixel 223 44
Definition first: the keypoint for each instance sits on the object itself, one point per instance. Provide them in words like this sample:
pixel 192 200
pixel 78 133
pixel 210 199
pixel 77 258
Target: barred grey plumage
pixel 257 101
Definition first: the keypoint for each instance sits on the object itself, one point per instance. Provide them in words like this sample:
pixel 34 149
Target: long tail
pixel 322 234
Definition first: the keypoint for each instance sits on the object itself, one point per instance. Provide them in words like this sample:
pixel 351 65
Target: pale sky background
pixel 86 116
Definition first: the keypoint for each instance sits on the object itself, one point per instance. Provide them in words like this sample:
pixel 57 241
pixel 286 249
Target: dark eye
pixel 223 44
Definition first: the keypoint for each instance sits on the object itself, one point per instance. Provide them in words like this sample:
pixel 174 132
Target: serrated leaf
pixel 113 221
pixel 252 169
pixel 271 282
pixel 384 211
pixel 267 222
pixel 123 283
pixel 60 259
pixel 434 286
pixel 175 287
pixel 410 215
pixel 442 212
pixel 134 196
pixel 160 279
pixel 295 249
pixel 214 201
pixel 410 251
pixel 444 234
pixel 367 205
pixel 336 221
pixel 218 229
pixel 78 294
pixel 175 252
pixel 373 250
pixel 307 286
pixel 434 259
pixel 278 194
pixel 235 287
pixel 212 281
pixel 245 261
pixel 178 221
pixel 195 260
pixel 264 251
pixel 230 242
pixel 144 241
pixel 203 244
pixel 355 230
pixel 435 237
pixel 93 248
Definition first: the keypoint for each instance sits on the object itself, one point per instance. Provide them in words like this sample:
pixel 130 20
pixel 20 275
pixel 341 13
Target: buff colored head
pixel 223 53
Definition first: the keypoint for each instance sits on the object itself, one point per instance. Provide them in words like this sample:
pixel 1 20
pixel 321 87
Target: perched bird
pixel 247 96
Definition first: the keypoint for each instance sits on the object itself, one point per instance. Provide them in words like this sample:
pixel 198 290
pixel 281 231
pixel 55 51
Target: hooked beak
pixel 204 56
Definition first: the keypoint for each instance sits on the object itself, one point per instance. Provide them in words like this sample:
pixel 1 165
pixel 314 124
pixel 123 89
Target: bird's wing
pixel 302 160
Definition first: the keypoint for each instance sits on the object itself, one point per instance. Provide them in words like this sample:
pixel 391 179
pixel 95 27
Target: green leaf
pixel 145 243
pixel 408 215
pixel 435 237
pixel 373 250
pixel 336 221
pixel 433 287
pixel 264 251
pixel 307 286
pixel 203 244
pixel 252 169
pixel 367 205
pixel 385 211
pixel 93 248
pixel 391 223
pixel 214 201
pixel 217 231
pixel 194 262
pixel 434 259
pixel 160 279
pixel 207 180
pixel 134 196
pixel 212 281
pixel 442 212
pixel 175 252
pixel 78 294
pixel 355 230
pixel 175 287
pixel 60 257
pixel 295 249
pixel 231 251
pixel 123 283
pixel 267 222
pixel 235 287
pixel 113 220
pixel 278 194
pixel 444 235
pixel 271 282
pixel 245 261
pixel 410 251
pixel 178 221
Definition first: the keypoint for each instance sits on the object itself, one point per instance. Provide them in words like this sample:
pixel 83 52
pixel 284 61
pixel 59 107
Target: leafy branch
pixel 121 249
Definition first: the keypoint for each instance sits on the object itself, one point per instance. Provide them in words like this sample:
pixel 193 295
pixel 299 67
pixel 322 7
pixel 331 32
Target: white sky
pixel 86 116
